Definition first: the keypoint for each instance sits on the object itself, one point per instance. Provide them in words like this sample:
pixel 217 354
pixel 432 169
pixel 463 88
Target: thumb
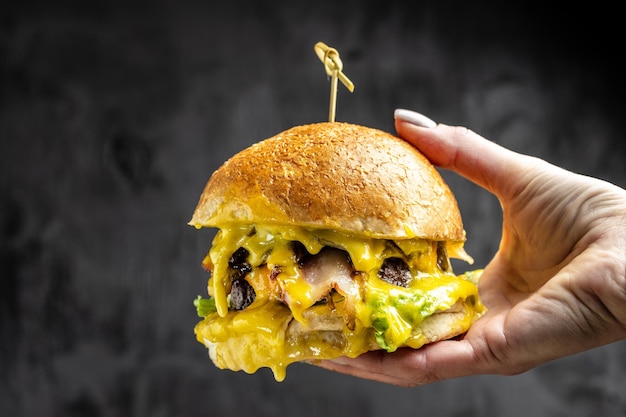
pixel 460 150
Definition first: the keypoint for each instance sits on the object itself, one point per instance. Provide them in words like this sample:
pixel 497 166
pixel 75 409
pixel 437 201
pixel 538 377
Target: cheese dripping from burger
pixel 338 293
pixel 300 279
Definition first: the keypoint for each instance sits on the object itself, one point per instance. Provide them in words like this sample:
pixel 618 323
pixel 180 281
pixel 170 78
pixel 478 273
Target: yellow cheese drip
pixel 270 245
pixel 255 337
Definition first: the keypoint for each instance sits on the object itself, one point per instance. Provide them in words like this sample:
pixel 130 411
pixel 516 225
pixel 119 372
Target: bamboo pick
pixel 334 69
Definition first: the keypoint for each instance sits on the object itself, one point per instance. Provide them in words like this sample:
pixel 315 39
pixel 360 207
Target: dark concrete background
pixel 114 114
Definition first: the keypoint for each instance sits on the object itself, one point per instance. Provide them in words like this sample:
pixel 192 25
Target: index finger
pixel 459 149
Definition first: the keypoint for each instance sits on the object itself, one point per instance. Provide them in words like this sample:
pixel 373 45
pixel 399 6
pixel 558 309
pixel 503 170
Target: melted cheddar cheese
pixel 383 315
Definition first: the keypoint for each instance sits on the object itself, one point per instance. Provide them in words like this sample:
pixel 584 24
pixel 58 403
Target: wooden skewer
pixel 333 66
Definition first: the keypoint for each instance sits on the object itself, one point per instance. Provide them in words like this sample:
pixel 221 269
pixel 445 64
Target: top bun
pixel 338 176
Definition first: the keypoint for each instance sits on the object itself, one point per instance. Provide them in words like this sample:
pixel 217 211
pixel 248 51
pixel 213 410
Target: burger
pixel 333 239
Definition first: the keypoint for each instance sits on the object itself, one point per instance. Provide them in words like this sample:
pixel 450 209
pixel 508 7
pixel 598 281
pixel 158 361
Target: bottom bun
pixel 240 342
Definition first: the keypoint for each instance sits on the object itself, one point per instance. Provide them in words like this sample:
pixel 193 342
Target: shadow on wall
pixel 113 116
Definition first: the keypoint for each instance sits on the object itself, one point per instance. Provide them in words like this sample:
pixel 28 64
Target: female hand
pixel 557 284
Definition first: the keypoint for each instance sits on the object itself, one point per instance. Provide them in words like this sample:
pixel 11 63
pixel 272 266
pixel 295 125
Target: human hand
pixel 557 284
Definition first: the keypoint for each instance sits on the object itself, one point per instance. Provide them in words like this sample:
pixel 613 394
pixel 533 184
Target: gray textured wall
pixel 112 117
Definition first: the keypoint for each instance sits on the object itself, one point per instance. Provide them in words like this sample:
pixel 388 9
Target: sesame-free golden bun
pixel 333 175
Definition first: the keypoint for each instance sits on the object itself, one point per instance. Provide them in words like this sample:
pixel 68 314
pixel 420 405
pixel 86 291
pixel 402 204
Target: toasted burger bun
pixel 334 240
pixel 333 176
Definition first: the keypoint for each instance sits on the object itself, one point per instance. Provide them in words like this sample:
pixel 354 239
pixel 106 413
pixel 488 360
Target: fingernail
pixel 415 118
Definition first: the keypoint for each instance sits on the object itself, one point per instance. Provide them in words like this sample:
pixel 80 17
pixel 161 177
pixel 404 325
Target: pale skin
pixel 555 287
